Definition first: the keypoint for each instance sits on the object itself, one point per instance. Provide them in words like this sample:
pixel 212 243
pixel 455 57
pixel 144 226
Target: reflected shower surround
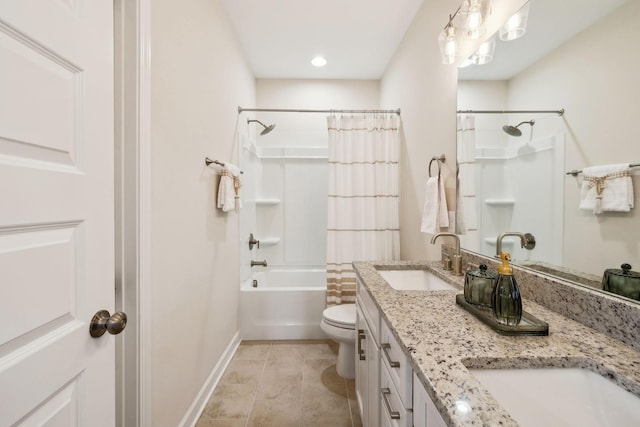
pixel 363 200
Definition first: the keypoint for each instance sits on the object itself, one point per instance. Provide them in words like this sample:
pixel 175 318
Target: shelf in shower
pixel 267 202
pixel 500 202
pixel 269 241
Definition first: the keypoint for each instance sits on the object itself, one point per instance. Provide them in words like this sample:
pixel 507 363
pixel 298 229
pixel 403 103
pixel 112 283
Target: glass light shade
pixel 449 45
pixel 477 12
pixel 484 54
pixel 516 26
pixel 466 62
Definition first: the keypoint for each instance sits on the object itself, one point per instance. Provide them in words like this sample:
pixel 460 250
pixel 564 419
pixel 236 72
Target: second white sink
pixel 419 280
pixel 560 397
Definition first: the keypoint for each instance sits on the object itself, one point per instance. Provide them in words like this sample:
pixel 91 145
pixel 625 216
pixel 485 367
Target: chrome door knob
pixel 104 322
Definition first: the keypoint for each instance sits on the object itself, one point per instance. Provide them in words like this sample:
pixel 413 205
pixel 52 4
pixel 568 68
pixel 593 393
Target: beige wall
pixel 595 78
pixel 425 90
pixel 311 95
pixel 199 77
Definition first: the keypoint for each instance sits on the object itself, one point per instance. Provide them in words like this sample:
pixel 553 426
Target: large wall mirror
pixel 582 56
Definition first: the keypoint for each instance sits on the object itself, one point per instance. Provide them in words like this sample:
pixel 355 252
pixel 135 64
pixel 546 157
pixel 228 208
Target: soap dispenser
pixel 507 303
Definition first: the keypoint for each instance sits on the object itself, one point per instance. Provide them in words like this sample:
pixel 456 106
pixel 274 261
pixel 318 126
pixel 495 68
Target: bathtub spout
pixel 262 263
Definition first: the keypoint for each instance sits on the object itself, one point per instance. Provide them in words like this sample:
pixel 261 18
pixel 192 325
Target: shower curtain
pixel 363 206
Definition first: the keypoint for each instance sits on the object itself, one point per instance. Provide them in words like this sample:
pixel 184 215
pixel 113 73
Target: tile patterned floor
pixel 283 384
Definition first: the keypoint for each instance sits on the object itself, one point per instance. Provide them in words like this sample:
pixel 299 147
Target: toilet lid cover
pixel 344 315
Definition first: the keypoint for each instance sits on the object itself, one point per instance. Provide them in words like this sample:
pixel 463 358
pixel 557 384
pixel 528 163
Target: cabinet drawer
pixel 397 364
pixel 393 412
pixel 369 309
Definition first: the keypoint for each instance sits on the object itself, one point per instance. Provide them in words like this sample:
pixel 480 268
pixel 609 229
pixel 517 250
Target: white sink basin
pixel 560 397
pixel 420 280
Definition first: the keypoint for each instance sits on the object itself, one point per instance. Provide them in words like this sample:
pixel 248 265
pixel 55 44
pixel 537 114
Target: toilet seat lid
pixel 342 316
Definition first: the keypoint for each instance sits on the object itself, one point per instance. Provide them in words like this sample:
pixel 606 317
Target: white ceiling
pixel 359 37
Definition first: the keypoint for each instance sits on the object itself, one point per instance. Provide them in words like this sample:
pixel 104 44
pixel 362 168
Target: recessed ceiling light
pixel 319 61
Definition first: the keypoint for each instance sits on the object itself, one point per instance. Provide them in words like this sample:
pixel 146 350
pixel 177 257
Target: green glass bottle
pixel 507 302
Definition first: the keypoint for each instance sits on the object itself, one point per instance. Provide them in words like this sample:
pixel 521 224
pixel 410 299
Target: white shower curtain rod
pixel 558 112
pixel 286 110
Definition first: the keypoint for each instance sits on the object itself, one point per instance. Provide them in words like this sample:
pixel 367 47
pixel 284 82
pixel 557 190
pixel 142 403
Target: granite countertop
pixel 442 340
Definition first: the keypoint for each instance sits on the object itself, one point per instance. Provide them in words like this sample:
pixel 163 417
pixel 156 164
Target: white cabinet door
pixel 373 368
pixel 367 372
pixel 425 413
pixel 56 212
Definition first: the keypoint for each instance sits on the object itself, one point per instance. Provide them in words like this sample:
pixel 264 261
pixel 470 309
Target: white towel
pixel 607 188
pixel 232 169
pixel 226 199
pixel 229 191
pixel 434 212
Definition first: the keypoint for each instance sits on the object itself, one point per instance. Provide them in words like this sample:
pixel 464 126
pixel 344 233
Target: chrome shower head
pixel 266 129
pixel 513 130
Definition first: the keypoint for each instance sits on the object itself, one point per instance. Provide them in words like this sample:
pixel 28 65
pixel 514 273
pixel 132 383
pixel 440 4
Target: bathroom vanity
pixel 420 355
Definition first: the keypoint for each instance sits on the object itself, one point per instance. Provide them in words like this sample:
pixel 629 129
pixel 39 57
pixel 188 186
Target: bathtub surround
pixel 363 201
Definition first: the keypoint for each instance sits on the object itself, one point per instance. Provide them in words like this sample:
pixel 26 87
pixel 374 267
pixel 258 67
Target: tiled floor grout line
pixel 314 359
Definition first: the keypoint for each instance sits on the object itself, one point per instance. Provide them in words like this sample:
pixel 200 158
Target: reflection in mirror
pixel 520 183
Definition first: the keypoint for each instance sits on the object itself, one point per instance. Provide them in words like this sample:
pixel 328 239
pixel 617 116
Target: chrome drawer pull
pixel 385 348
pixel 361 336
pixel 395 415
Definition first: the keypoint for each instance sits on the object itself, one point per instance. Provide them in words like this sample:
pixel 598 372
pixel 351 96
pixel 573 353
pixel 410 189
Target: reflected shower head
pixel 266 129
pixel 513 130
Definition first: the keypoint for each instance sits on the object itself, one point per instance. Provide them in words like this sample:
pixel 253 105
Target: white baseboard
pixel 195 410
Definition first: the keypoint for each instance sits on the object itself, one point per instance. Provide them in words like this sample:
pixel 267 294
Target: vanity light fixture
pixel 516 26
pixel 484 54
pixel 476 13
pixel 449 42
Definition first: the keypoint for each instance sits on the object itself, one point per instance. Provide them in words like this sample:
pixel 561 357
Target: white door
pixel 56 212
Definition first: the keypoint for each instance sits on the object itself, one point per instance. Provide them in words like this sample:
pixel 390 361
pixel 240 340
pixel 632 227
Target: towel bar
pixel 208 161
pixel 575 172
pixel 439 159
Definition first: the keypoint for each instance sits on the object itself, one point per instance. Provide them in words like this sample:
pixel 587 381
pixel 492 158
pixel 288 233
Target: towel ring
pixel 437 159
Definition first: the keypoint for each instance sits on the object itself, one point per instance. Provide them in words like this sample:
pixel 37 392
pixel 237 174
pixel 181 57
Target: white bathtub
pixel 287 304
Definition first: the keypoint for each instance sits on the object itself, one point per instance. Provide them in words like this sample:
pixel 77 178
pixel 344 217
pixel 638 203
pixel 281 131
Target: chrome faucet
pixel 456 261
pixel 527 240
pixel 262 263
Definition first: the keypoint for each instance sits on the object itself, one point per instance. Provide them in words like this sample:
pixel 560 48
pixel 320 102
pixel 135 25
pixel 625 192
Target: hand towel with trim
pixel 434 211
pixel 607 188
pixel 226 192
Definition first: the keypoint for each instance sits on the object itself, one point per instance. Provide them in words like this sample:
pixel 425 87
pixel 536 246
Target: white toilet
pixel 339 323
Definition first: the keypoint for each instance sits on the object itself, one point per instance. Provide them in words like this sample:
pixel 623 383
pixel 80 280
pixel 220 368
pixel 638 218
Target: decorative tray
pixel 529 325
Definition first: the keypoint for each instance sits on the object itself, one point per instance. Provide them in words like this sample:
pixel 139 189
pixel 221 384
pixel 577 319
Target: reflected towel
pixel 434 213
pixel 607 188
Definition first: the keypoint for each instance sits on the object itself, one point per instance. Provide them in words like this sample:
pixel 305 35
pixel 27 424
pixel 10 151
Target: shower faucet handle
pixel 253 241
